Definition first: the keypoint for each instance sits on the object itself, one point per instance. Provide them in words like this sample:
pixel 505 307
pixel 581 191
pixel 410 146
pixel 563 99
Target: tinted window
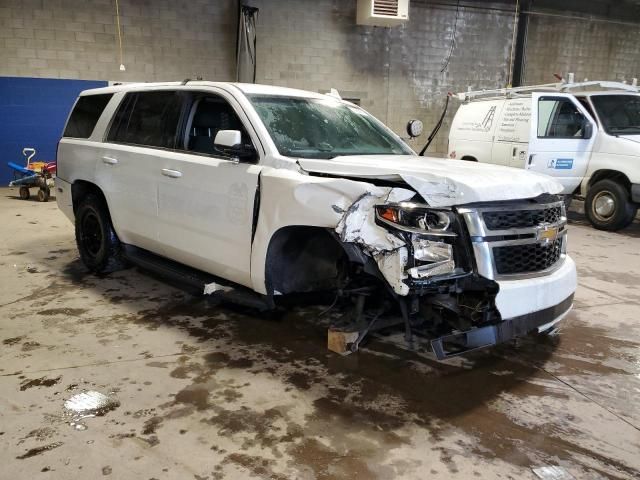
pixel 148 118
pixel 559 118
pixel 211 115
pixel 85 115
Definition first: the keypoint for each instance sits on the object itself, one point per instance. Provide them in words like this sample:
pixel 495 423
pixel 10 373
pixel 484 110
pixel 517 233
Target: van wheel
pixel 469 159
pixel 608 207
pixel 99 247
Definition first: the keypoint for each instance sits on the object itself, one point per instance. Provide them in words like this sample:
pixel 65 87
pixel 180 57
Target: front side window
pixel 324 128
pixel 85 115
pixel 559 118
pixel 619 114
pixel 148 119
pixel 210 115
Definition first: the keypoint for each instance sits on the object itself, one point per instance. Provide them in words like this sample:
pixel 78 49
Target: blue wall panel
pixel 33 112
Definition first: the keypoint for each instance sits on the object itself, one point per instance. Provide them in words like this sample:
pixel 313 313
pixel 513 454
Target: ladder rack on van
pixel 561 87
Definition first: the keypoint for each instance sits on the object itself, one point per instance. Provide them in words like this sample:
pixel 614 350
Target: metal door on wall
pixel 34 112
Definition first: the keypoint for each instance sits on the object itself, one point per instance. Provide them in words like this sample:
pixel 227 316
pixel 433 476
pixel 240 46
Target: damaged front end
pixel 427 258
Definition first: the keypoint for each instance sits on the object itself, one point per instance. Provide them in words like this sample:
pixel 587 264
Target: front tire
pixel 99 247
pixel 608 206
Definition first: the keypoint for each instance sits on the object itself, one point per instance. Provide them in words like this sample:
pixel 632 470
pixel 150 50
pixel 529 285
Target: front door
pixel 206 199
pixel 562 137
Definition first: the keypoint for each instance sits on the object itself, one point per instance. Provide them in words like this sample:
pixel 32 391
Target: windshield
pixel 324 128
pixel 619 114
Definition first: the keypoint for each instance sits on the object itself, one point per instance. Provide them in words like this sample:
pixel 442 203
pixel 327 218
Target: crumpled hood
pixel 441 182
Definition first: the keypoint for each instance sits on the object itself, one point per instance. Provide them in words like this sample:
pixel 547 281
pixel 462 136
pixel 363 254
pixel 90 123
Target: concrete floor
pixel 210 392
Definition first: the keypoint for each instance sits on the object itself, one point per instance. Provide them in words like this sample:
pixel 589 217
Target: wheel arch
pixel 81 188
pixel 302 258
pixel 608 174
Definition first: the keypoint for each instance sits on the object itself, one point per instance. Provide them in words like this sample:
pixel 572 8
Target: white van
pixel 585 135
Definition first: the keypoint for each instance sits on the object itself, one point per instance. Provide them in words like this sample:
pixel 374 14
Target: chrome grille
pixel 528 258
pixel 506 220
pixel 519 240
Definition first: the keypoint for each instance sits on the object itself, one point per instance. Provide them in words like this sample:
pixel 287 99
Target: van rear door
pixel 562 137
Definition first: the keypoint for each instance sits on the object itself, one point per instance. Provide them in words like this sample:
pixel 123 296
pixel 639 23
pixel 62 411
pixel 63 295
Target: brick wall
pixel 163 39
pixel 312 44
pixel 594 50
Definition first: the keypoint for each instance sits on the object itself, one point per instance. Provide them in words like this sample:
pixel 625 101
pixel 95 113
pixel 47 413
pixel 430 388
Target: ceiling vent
pixel 382 13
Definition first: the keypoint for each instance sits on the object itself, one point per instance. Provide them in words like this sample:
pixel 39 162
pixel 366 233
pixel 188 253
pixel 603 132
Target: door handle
pixel 515 152
pixel 109 160
pixel 171 173
pixel 531 158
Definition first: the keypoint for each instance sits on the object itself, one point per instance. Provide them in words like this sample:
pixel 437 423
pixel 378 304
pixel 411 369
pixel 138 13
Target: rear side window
pixel 148 118
pixel 85 115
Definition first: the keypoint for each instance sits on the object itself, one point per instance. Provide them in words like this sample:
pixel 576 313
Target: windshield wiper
pixel 623 129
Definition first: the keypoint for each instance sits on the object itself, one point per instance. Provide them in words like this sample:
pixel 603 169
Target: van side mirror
pixel 587 129
pixel 229 142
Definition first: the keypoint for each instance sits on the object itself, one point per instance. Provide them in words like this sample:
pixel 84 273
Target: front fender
pixel 289 198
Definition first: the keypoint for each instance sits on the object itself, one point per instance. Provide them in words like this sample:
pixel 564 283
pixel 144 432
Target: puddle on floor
pixel 88 404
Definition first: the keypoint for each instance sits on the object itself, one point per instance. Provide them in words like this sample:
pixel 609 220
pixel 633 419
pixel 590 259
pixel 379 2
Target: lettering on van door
pixel 514 122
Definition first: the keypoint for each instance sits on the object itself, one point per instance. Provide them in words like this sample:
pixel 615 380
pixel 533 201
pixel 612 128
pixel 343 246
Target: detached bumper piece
pixel 465 342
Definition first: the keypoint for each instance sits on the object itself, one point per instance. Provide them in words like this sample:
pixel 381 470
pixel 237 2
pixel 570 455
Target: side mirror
pixel 414 128
pixel 229 142
pixel 587 129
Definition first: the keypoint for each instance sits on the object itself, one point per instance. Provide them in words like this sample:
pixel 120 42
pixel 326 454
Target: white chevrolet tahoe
pixel 276 191
pixel 585 135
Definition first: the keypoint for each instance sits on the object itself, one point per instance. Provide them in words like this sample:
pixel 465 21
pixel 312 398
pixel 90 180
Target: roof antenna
pixel 185 81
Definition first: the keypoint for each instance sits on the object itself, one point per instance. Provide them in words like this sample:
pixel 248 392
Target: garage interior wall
pixel 398 74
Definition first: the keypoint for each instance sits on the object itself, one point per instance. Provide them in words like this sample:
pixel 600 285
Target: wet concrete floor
pixel 211 392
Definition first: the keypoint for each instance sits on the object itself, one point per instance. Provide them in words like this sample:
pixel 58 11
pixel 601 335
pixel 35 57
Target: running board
pixel 203 282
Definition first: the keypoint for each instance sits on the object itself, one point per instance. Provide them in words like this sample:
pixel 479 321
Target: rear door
pixel 562 138
pixel 143 132
pixel 206 200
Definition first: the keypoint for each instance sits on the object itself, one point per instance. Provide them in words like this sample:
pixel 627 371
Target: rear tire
pixel 608 206
pixel 25 194
pixel 99 246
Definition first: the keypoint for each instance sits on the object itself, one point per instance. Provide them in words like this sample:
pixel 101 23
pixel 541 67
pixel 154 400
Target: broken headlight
pixel 413 218
pixel 432 234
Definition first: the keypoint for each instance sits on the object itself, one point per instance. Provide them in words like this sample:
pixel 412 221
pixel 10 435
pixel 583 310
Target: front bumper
pixel 464 342
pixel 523 296
pixel 526 306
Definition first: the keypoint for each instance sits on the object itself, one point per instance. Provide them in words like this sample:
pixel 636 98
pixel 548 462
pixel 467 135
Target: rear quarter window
pixel 85 115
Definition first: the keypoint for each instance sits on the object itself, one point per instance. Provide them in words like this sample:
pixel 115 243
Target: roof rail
pixel 548 87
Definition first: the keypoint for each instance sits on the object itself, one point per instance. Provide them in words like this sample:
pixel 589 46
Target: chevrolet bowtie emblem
pixel 547 234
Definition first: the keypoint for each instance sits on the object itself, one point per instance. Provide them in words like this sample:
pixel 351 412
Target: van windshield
pixel 324 128
pixel 619 114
